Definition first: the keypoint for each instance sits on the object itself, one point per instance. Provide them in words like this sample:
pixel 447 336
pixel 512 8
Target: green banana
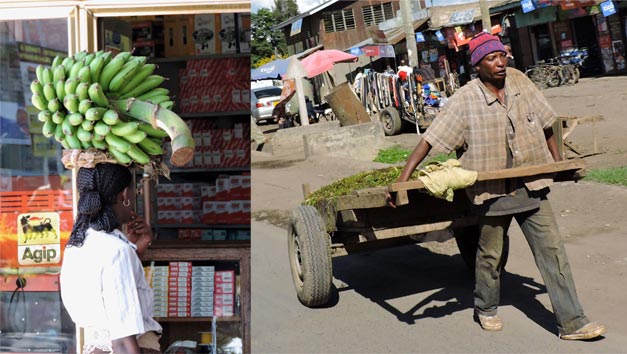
pixel 155 132
pixel 124 75
pixel 58 73
pixel 68 63
pixel 138 155
pixel 82 91
pixel 75 119
pixel 39 101
pixel 84 105
pixel 58 117
pixel 136 136
pixel 54 105
pixel 46 76
pixel 70 86
pixel 95 113
pixel 56 61
pixel 59 88
pixel 150 83
pixel 44 116
pixel 111 117
pixel 107 56
pixel 97 95
pixel 86 144
pixel 39 72
pixel 95 67
pixel 37 87
pixel 48 129
pixel 118 143
pixel 150 147
pixel 99 144
pixel 67 127
pixel 98 137
pixel 119 156
pixel 80 55
pixel 123 55
pixel 102 128
pixel 158 91
pixel 124 128
pixel 167 104
pixel 49 92
pixel 71 102
pixel 139 77
pixel 107 73
pixel 73 142
pixel 58 133
pixel 158 99
pixel 76 68
pixel 89 58
pixel 83 135
pixel 84 75
pixel 88 125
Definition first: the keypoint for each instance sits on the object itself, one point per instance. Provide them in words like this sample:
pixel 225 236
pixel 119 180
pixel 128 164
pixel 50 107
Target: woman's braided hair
pixel 98 188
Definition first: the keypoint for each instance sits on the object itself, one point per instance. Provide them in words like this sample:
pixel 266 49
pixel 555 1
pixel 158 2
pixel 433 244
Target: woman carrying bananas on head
pixel 102 280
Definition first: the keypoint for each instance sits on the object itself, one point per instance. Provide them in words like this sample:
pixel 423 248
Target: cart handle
pixel 577 166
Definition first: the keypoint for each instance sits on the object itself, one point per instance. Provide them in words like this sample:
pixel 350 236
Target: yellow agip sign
pixel 38 238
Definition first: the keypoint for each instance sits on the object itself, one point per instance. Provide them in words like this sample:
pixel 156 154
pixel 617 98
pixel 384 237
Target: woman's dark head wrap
pixel 98 188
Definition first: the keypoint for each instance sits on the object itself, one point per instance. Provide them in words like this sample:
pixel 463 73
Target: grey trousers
pixel 541 231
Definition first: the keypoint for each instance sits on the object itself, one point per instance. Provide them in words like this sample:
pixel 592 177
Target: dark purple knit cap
pixel 483 44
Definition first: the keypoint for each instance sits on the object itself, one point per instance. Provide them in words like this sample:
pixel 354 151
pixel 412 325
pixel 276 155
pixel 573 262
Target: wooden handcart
pixel 364 221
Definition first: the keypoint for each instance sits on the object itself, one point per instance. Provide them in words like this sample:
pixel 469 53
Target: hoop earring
pixel 127 203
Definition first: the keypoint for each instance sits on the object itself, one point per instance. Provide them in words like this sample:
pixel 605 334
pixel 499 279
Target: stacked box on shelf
pixel 226 202
pixel 202 291
pixel 180 289
pixel 224 293
pixel 218 147
pixel 179 203
pixel 148 39
pixel 215 85
pixel 158 278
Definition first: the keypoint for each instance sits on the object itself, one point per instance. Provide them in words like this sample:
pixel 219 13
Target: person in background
pixel 357 82
pixel 102 280
pixel 510 57
pixel 404 67
pixel 501 120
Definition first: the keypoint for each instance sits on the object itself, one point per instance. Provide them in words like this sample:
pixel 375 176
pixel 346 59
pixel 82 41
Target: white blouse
pixel 104 289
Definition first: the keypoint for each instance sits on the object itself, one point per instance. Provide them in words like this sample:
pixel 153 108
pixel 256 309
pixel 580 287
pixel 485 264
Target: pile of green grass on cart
pixel 369 179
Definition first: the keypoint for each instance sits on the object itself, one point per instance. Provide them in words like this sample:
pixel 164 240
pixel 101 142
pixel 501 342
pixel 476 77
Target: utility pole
pixel 410 36
pixel 485 16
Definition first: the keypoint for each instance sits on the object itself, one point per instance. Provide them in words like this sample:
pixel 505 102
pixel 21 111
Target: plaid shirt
pixel 490 135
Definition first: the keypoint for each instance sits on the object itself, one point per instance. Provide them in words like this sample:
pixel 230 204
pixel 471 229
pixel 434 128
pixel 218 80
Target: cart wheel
pixel 467 240
pixel 391 121
pixel 309 248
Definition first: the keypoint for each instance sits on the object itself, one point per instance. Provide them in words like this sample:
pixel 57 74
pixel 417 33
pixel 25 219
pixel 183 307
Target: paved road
pixel 413 300
pixel 419 300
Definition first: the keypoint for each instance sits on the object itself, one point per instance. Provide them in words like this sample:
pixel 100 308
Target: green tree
pixel 266 42
pixel 285 9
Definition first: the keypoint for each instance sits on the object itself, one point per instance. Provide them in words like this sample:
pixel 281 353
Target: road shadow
pixel 445 281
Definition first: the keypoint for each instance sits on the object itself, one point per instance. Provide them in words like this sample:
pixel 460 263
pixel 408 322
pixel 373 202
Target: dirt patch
pixel 278 218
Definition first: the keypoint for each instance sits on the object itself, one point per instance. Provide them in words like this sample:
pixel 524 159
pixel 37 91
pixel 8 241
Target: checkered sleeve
pixel 446 133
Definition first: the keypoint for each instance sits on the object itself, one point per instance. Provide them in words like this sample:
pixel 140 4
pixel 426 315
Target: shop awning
pixel 455 15
pixel 397 34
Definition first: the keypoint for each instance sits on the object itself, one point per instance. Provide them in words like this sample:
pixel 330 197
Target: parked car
pixel 262 102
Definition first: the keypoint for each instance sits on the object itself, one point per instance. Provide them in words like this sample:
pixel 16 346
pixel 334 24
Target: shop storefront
pixel 189 41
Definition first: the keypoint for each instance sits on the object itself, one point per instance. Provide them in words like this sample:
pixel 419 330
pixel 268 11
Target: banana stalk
pixel 182 141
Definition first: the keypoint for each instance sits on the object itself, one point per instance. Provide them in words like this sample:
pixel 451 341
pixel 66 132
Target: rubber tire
pixel 391 121
pixel 467 240
pixel 309 252
pixel 554 79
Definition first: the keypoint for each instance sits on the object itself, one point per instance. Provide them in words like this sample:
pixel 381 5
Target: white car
pixel 263 100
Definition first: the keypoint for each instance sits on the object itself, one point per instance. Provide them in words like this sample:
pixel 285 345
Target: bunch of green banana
pixel 91 100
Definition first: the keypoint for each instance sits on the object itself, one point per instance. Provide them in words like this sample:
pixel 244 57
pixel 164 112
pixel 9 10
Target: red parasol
pixel 323 60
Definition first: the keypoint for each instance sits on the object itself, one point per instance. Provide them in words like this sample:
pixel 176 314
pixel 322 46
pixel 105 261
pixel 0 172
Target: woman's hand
pixel 139 232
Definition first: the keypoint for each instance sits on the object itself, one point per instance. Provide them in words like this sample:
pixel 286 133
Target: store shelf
pixel 203 226
pixel 196 57
pixel 214 114
pixel 198 319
